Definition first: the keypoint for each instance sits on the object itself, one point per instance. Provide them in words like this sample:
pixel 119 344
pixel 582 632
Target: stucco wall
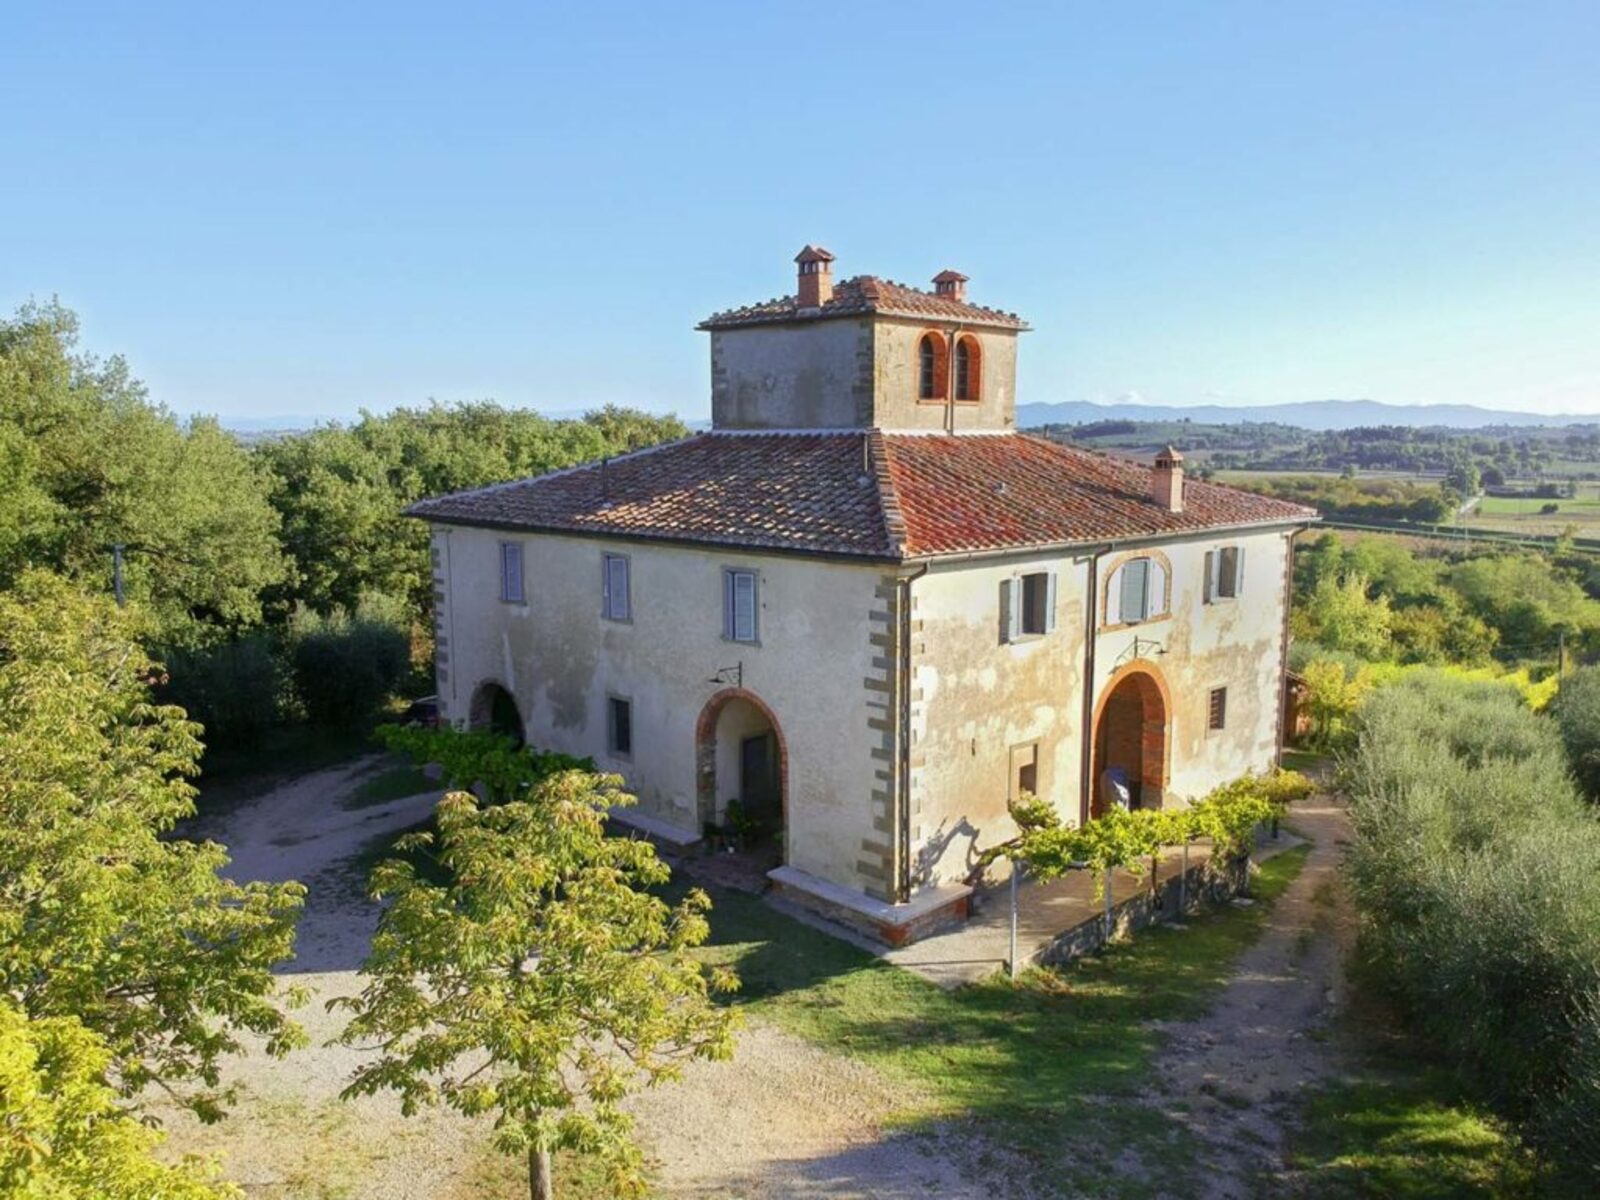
pixel 844 374
pixel 1234 643
pixel 560 660
pixel 806 375
pixel 975 697
pixel 978 697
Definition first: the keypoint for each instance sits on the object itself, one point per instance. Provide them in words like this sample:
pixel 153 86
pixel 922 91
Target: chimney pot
pixel 950 284
pixel 815 277
pixel 1166 480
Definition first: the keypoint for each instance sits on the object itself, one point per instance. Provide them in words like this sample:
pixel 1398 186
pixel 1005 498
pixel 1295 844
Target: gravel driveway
pixel 784 1119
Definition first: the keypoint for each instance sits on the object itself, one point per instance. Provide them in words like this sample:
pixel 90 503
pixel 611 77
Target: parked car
pixel 424 712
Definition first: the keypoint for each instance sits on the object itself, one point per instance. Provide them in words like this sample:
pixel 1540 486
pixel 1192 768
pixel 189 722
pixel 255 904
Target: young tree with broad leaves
pixel 542 980
pixel 106 918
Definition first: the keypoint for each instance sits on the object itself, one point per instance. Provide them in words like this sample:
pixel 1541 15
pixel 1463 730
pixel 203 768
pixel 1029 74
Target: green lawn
pixel 392 783
pixel 1406 1131
pixel 1532 506
pixel 1060 1057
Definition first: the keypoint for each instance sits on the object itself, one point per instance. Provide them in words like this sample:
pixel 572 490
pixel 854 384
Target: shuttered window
pixel 616 602
pixel 1224 573
pixel 1217 709
pixel 1134 591
pixel 1027 605
pixel 739 607
pixel 511 572
pixel 1137 591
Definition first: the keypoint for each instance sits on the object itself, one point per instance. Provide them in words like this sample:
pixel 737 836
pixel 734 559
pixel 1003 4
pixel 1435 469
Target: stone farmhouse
pixel 865 612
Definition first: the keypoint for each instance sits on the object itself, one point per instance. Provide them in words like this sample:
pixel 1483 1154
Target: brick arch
pixel 941 367
pixel 974 352
pixel 1144 737
pixel 1108 573
pixel 705 748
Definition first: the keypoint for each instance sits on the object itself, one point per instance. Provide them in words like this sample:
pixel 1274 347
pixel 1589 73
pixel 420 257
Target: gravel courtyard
pixel 783 1119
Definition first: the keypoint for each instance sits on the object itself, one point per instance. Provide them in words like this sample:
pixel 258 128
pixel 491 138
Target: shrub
pixel 346 666
pixel 234 688
pixel 1476 873
pixel 1578 712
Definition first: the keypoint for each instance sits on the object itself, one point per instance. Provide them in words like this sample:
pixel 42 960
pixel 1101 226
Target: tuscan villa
pixel 863 612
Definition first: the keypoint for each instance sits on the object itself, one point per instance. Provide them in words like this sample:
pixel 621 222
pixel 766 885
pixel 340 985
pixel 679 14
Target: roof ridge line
pixel 894 521
pixel 490 488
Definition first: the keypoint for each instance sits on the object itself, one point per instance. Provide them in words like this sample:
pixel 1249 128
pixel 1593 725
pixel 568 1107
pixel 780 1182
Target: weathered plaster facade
pixel 561 660
pixel 983 704
pixel 907 704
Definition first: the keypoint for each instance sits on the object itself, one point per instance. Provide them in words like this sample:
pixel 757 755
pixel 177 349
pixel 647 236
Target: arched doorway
pixel 1131 738
pixel 742 776
pixel 495 710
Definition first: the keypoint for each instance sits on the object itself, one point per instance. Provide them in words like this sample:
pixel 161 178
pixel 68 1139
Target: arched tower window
pixel 969 365
pixel 931 367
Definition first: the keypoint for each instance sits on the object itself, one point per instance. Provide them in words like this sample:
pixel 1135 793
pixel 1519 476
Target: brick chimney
pixel 816 276
pixel 950 284
pixel 1166 481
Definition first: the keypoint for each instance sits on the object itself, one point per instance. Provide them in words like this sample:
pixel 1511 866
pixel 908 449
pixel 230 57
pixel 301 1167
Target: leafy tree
pixel 105 916
pixel 542 982
pixel 341 490
pixel 64 1133
pixel 1334 697
pixel 86 461
pixel 1341 614
pixel 345 665
pixel 1577 709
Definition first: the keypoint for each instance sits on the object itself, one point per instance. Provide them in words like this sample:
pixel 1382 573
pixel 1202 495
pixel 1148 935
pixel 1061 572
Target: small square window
pixel 1217 709
pixel 616 603
pixel 739 607
pixel 619 726
pixel 511 572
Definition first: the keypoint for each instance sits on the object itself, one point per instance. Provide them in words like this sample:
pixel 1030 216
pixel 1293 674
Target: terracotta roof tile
pixel 858 494
pixel 1004 491
pixel 861 295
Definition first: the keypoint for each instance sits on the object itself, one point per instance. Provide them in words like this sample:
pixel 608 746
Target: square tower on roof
pixel 865 353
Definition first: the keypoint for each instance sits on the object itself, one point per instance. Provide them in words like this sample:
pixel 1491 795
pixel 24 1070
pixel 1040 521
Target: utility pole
pixel 116 574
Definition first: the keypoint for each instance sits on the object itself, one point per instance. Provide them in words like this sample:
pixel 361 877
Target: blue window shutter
pixel 1135 589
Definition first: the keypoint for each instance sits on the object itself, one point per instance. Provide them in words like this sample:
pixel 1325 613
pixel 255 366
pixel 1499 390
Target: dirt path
pixel 783 1121
pixel 1234 1076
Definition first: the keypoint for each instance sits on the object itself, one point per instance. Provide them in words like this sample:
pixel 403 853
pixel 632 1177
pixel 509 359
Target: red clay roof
pixel 862 295
pixel 861 494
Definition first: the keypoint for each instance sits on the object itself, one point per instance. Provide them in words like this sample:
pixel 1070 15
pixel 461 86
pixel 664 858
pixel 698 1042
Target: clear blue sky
pixel 303 209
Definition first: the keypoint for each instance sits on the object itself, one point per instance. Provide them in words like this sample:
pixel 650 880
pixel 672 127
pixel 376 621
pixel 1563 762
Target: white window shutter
pixel 1050 603
pixel 1238 573
pixel 1007 623
pixel 1210 586
pixel 1156 597
pixel 744 606
pixel 1114 598
pixel 605 585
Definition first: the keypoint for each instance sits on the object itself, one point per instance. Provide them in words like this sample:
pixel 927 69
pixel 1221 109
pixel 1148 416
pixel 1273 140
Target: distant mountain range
pixel 1309 414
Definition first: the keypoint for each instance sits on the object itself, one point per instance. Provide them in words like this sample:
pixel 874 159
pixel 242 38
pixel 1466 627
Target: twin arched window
pixel 933 368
